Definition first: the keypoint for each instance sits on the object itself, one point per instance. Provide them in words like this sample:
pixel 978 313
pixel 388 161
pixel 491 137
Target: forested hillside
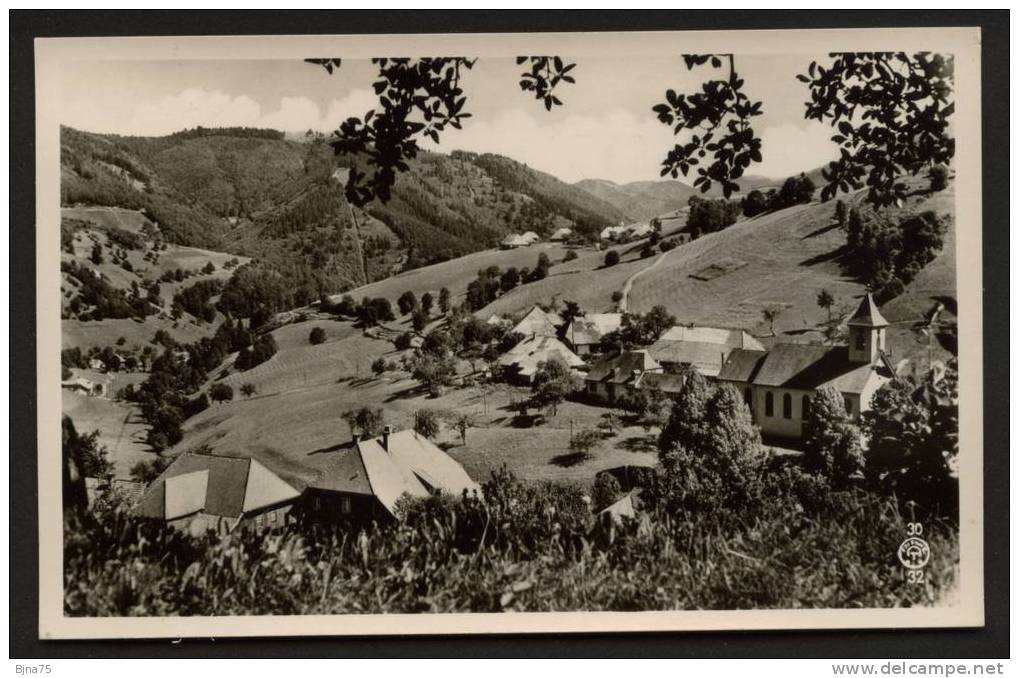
pixel 255 193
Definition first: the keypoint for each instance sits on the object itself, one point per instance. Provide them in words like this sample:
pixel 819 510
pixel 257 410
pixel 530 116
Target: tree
pixel 221 392
pixel 854 229
pixel 427 423
pixel 317 336
pixel 369 421
pixel 463 424
pixel 403 341
pixel 571 310
pixel 754 203
pixel 611 258
pixel 97 254
pixel 541 270
pixel 825 300
pixel 831 442
pixel 444 300
pixel 617 297
pixel 91 458
pixel 939 178
pixel 407 302
pixel 248 389
pixel 605 492
pixel 584 441
pixel 569 256
pixel 647 250
pixel 770 315
pixel 379 366
pixel 553 383
pixel 147 471
pixel 913 431
pixel 209 268
pixel 840 214
pixel 510 279
pixel 419 320
pixel 432 371
pixel 427 302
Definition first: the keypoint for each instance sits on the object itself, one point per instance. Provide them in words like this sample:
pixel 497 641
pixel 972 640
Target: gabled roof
pixel 867 314
pixel 530 236
pixel 809 367
pixel 215 485
pixel 515 240
pixel 707 358
pixel 561 233
pixel 741 365
pixel 622 368
pixel 536 349
pixel 589 329
pixel 711 335
pixel 409 464
pixel 537 322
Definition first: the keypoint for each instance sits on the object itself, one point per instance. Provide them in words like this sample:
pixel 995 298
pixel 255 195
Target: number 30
pixel 914 529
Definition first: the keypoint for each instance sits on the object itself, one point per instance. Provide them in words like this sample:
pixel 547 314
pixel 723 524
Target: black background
pixel 991 641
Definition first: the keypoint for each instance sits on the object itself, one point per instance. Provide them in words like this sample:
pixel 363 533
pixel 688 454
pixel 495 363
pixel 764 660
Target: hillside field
pixel 294 425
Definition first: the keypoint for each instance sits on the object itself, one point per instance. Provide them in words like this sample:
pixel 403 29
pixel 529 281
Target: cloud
pixel 789 149
pixel 195 107
pixel 615 145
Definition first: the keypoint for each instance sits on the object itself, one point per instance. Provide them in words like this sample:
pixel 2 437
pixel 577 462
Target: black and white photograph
pixel 612 332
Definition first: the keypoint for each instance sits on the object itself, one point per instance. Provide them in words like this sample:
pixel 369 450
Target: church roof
pixel 810 367
pixel 867 314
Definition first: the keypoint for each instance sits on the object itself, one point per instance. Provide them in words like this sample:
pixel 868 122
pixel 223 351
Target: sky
pixel 604 130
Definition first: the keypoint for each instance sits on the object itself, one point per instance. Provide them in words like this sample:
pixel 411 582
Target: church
pixel 777 384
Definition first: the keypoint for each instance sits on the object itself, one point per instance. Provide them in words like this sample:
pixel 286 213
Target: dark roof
pixel 345 474
pixel 867 314
pixel 807 366
pixel 741 365
pixel 622 368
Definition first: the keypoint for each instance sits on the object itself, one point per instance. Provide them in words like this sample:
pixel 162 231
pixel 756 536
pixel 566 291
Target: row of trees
pixel 797 190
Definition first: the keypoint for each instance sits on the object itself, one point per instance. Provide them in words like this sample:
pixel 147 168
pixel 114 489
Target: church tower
pixel 866 332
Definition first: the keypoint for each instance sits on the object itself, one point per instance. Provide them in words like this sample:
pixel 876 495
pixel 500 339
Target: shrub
pixel 611 258
pixel 317 336
pixel 248 389
pixel 606 491
pixel 402 341
pixel 831 442
pixel 939 178
pixel 407 302
pixel 379 366
pixel 569 256
pixel 427 423
pixel 221 392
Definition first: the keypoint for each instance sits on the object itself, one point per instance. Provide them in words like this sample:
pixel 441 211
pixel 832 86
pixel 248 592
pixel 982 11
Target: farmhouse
pixel 365 482
pixel 514 240
pixel 778 384
pixel 561 234
pixel 201 492
pixel 585 333
pixel 521 362
pixel 612 377
pixel 704 349
pixel 530 237
pixel 669 384
pixel 88 382
pixel 537 323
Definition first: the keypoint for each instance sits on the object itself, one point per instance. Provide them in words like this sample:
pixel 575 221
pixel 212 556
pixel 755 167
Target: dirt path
pixel 629 281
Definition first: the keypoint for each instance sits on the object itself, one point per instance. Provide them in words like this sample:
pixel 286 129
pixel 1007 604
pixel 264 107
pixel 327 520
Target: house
pixel 88 382
pixel 639 230
pixel 96 364
pixel 512 241
pixel 530 237
pixel 777 384
pixel 537 323
pixel 561 234
pixel 612 232
pixel 585 333
pixel 365 482
pixel 702 348
pixel 201 492
pixel 613 376
pixel 521 362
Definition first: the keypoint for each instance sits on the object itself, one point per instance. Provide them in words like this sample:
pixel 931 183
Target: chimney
pixel 386 430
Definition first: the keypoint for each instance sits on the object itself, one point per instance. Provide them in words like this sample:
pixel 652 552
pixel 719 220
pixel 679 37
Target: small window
pixel 769 404
pixel 787 406
pixel 258 521
pixel 861 341
pixel 317 504
pixel 805 405
pixel 345 505
pixel 272 516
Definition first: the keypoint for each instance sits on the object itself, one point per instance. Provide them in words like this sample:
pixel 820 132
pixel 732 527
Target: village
pixel 585 392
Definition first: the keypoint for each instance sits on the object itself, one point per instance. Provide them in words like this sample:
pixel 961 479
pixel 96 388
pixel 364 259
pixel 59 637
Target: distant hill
pixel 640 200
pixel 643 200
pixel 259 194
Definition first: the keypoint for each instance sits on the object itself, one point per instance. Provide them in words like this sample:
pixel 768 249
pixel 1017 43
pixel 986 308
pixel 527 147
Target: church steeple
pixel 866 331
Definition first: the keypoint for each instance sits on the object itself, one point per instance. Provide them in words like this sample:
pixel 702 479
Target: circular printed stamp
pixel 914 553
